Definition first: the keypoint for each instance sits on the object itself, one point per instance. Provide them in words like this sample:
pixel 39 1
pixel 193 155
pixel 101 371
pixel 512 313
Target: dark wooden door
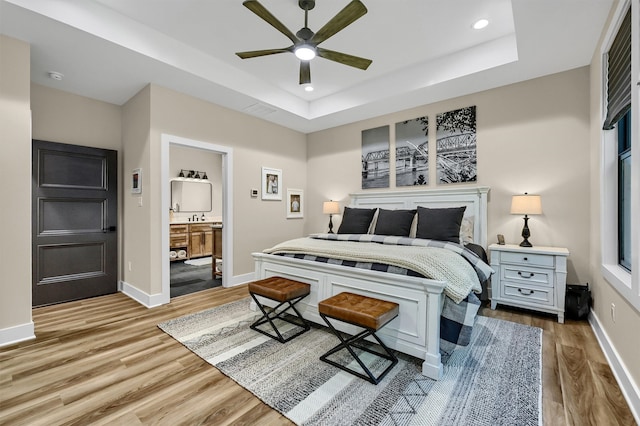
pixel 74 239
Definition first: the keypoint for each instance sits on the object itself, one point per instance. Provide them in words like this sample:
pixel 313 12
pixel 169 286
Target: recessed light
pixel 56 75
pixel 480 24
pixel 308 88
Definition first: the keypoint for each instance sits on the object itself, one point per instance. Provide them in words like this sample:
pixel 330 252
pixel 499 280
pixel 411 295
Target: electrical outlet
pixel 130 267
pixel 613 312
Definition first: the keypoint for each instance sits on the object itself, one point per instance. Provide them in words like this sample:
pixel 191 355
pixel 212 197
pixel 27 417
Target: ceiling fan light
pixel 305 52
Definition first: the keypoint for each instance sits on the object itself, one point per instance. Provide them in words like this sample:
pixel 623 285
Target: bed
pixel 416 330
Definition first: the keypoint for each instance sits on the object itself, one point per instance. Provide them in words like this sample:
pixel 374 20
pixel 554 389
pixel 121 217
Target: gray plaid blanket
pixel 456 320
pixel 483 270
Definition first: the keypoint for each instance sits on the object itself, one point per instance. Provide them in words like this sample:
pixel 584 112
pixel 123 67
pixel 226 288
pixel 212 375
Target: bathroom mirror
pixel 191 196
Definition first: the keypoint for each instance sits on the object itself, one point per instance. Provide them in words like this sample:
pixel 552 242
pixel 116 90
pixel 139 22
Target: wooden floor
pixel 104 361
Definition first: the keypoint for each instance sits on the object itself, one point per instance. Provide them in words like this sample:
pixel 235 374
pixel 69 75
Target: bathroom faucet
pixel 194 217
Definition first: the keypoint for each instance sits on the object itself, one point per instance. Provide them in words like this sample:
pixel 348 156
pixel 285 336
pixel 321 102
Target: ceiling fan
pixel 305 41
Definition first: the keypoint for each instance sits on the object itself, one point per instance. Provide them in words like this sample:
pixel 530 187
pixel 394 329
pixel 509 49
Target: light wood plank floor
pixel 104 361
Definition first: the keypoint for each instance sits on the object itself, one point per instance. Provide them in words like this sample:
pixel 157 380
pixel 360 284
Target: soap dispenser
pixel 202 218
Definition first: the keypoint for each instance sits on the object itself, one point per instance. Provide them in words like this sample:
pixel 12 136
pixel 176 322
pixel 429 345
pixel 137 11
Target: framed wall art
pixel 375 158
pixel 136 181
pixel 295 205
pixel 271 184
pixel 412 152
pixel 456 146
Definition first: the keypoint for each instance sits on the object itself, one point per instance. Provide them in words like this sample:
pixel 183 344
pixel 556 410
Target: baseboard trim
pixel 17 334
pixel 628 387
pixel 241 279
pixel 147 300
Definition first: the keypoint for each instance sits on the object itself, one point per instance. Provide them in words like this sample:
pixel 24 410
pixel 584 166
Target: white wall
pixel 15 191
pixel 531 137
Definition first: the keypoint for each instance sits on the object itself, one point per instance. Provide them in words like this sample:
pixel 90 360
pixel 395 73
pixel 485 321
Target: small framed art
pixel 136 181
pixel 295 205
pixel 271 184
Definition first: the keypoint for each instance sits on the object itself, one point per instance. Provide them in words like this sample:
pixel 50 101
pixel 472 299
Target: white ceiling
pixel 423 51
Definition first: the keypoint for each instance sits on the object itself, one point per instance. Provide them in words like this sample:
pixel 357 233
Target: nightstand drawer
pixel 536 295
pixel 527 259
pixel 531 276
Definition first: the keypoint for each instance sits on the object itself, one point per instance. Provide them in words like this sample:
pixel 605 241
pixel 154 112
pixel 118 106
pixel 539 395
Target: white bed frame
pixel 416 330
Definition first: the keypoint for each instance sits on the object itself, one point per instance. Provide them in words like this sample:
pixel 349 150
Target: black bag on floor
pixel 577 301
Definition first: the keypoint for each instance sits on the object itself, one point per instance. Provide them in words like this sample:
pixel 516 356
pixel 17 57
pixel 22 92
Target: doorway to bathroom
pixel 195 217
pixel 197 223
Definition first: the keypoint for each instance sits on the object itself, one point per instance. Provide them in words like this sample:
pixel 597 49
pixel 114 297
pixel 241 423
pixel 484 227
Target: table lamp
pixel 526 204
pixel 330 208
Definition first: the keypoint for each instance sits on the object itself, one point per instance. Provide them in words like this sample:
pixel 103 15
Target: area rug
pixel 496 380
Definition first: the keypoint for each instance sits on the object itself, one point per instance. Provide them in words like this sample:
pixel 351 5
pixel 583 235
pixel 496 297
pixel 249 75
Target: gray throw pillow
pixel 440 224
pixel 356 221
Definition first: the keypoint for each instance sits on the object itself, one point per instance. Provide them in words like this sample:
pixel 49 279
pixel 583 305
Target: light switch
pixel 139 201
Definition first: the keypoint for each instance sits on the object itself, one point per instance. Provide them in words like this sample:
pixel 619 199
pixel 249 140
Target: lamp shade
pixel 526 204
pixel 330 207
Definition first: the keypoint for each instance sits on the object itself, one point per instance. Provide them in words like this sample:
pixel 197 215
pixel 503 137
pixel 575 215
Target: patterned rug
pixel 496 380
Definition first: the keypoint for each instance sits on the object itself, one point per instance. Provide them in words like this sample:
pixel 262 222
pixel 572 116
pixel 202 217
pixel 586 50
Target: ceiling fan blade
pixel 263 13
pixel 256 53
pixel 345 17
pixel 305 72
pixel 343 58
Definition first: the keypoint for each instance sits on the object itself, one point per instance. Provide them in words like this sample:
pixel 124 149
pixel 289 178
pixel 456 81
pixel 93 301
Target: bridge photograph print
pixel 412 152
pixel 456 146
pixel 375 158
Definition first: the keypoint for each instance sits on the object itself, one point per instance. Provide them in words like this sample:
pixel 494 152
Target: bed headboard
pixel 475 198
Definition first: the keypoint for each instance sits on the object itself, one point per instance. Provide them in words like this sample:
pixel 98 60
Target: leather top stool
pixel 365 312
pixel 281 290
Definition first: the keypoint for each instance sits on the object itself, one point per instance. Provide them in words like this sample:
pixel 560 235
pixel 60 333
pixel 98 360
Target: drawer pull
pixel 530 292
pixel 531 274
pixel 526 259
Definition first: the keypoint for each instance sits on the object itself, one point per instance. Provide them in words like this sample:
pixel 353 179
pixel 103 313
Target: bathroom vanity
pixel 195 239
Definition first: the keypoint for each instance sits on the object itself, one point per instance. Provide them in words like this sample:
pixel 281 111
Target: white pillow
pixel 466 230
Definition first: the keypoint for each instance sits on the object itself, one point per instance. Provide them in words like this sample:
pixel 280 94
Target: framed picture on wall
pixel 456 155
pixel 271 184
pixel 375 158
pixel 295 206
pixel 136 181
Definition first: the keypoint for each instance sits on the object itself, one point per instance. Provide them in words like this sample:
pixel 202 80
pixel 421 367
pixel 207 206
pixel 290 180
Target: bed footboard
pixel 416 329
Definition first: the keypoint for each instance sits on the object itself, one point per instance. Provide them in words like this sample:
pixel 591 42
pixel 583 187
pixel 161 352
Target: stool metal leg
pixel 353 342
pixel 274 314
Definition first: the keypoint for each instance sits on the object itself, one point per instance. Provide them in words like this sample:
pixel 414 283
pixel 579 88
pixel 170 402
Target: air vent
pixel 259 110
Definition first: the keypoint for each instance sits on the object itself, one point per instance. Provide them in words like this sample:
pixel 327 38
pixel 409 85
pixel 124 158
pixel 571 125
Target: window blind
pixel 619 75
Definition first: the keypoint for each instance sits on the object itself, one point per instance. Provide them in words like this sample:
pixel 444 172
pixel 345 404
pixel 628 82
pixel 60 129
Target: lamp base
pixel 526 243
pixel 330 225
pixel 525 233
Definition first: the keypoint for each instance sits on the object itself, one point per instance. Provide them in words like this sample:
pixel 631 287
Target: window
pixel 620 170
pixel 624 191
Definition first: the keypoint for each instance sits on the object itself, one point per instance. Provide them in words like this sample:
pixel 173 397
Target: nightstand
pixel 529 277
